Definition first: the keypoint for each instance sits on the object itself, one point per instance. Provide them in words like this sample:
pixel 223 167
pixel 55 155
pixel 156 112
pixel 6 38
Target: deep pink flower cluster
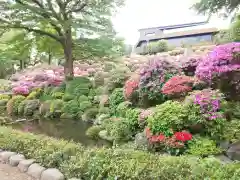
pixel 189 64
pixel 131 86
pixel 178 85
pixel 224 58
pixel 209 102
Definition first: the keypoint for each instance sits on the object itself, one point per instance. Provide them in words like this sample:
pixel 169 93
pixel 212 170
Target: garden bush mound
pixel 75 160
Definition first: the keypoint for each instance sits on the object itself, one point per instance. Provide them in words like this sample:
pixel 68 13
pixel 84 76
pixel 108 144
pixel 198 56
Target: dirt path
pixel 12 173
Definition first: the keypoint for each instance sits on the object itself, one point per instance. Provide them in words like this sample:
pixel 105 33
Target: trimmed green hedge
pixel 76 161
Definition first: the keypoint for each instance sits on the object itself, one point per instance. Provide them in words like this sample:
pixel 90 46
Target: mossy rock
pixel 3 102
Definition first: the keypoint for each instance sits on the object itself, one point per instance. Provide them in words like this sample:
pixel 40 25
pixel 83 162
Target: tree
pixel 90 17
pixel 214 6
pixel 235 29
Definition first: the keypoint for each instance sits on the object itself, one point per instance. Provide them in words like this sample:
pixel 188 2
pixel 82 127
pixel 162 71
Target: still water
pixel 65 129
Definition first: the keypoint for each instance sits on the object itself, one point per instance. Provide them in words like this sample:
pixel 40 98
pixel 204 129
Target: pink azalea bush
pixel 21 90
pixel 221 69
pixel 152 78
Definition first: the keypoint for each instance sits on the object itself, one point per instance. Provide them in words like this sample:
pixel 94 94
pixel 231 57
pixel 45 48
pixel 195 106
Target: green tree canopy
pixel 89 17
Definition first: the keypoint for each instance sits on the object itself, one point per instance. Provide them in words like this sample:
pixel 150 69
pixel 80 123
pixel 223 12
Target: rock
pixel 24 164
pixel 141 140
pixel 5 155
pixel 104 135
pixel 15 159
pixel 52 174
pixel 223 159
pixel 234 151
pixel 35 170
pixel 224 145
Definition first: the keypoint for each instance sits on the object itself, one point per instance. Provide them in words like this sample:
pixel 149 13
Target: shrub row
pixel 75 160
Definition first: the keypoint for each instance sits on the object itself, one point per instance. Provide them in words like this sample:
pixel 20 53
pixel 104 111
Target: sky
pixel 139 14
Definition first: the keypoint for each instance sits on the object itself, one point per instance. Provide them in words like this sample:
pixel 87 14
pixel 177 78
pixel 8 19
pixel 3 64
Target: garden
pixel 154 108
pixel 84 107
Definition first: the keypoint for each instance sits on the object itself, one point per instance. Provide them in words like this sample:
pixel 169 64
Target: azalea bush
pixel 207 104
pixel 21 90
pixel 168 117
pixel 175 143
pixel 221 69
pixel 152 78
pixel 178 86
pixel 131 89
pixel 189 64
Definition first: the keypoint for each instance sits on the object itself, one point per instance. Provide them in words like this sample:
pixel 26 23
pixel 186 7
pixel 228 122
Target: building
pixel 176 35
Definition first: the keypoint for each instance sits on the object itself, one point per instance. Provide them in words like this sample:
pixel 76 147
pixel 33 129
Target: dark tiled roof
pixel 176 26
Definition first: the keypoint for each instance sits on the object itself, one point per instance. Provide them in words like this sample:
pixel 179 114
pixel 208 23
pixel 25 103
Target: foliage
pixel 71 107
pixel 12 105
pixel 168 117
pixel 152 78
pixel 84 105
pixel 90 115
pixel 76 161
pixel 119 129
pixel 178 86
pixel 78 86
pixel 93 131
pixel 115 99
pixel 213 6
pixel 231 131
pixel 202 146
pixel 157 47
pixel 82 98
pixel 223 37
pixel 221 69
pixel 56 108
pixel 235 28
pixel 58 95
pixel 34 94
pixel 122 108
pixel 4 96
pixel 30 106
pixel 67 97
pixel 132 116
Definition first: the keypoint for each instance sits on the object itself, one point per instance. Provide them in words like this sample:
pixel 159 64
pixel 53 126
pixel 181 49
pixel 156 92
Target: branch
pixel 42 12
pixel 79 8
pixel 38 31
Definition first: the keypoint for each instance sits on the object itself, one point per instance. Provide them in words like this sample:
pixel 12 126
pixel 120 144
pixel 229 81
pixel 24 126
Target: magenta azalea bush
pixel 206 108
pixel 221 69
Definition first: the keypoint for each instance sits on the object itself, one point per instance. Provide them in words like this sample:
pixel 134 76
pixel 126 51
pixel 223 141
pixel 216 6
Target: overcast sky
pixel 150 13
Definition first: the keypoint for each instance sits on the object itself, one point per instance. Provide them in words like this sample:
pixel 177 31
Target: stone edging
pixel 29 166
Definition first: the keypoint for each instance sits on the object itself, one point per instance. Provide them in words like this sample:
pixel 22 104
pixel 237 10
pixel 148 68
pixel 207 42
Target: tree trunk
pixel 49 57
pixel 21 64
pixel 67 46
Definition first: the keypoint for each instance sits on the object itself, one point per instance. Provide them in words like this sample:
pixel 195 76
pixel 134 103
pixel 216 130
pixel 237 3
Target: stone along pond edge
pixel 30 167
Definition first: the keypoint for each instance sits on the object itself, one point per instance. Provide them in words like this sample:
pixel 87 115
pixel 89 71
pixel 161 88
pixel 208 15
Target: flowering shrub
pixel 221 69
pixel 21 90
pixel 173 144
pixel 208 102
pixel 144 114
pixel 130 88
pixel 168 117
pixel 178 85
pixel 152 78
pixel 189 65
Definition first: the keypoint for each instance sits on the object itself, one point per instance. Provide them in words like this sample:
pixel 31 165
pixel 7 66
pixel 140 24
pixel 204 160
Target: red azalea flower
pixel 161 137
pixel 183 136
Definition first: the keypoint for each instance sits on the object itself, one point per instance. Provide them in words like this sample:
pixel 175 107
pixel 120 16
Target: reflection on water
pixel 67 129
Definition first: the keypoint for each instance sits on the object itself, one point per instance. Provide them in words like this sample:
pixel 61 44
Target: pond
pixel 65 129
